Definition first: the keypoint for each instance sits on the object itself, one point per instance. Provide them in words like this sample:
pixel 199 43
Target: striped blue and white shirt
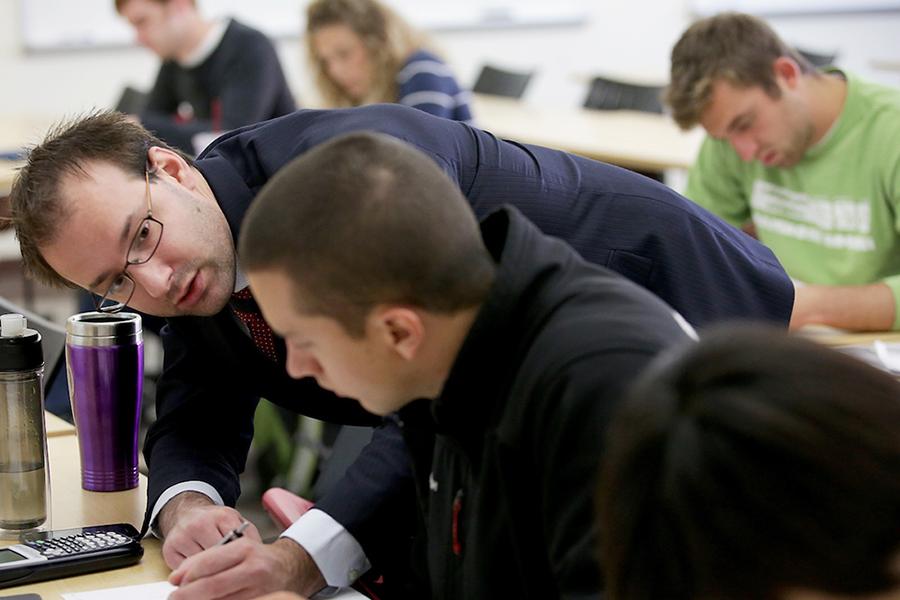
pixel 425 82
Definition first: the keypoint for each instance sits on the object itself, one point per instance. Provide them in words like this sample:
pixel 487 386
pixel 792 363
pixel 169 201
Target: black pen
pixel 234 534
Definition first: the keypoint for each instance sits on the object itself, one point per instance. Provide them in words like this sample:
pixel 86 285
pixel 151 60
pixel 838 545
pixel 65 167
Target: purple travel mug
pixel 105 368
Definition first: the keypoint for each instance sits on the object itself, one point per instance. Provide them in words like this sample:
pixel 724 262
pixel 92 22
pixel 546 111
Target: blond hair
pixel 387 37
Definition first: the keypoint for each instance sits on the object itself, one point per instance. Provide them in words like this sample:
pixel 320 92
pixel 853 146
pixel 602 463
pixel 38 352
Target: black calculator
pixel 66 552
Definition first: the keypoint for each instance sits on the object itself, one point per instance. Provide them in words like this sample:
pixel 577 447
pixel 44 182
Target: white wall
pixel 859 39
pixel 631 38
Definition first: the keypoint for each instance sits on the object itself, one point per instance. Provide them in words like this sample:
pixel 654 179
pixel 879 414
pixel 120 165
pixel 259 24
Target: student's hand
pixel 191 523
pixel 282 596
pixel 868 307
pixel 245 568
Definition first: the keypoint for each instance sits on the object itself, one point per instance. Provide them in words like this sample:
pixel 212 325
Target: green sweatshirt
pixel 834 217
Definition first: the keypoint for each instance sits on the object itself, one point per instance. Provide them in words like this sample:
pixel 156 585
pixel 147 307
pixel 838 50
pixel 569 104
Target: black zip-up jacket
pixel 506 486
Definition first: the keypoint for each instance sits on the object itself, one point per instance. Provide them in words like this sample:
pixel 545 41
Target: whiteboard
pixel 74 24
pixel 776 7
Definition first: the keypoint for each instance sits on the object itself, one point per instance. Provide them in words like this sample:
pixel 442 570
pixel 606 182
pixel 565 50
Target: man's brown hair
pixel 36 199
pixel 363 220
pixel 734 47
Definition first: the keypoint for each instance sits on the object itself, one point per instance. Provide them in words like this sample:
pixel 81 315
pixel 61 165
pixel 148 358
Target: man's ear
pixel 166 163
pixel 787 70
pixel 401 329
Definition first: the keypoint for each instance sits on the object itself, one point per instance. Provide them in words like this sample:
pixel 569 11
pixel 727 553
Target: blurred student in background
pixel 362 52
pixel 808 160
pixel 216 75
pixel 754 465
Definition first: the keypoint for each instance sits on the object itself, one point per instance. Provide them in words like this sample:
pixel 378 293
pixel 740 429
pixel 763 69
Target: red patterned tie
pixel 246 310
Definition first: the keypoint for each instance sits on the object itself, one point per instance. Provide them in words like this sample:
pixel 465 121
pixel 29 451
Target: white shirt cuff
pixel 201 487
pixel 335 551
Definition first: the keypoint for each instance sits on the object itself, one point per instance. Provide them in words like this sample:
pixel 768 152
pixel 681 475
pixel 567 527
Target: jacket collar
pixel 232 192
pixel 492 351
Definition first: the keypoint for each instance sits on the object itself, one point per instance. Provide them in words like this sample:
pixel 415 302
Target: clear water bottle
pixel 24 473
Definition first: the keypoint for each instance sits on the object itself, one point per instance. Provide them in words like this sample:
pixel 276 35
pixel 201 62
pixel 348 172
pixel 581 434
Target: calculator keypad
pixel 78 544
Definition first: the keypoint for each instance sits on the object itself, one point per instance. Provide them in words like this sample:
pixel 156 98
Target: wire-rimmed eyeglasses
pixel 143 246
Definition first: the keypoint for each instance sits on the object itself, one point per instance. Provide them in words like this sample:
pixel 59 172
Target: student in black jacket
pixel 95 178
pixel 365 257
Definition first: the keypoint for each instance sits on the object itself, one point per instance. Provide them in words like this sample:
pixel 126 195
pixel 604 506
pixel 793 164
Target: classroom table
pixel 57 426
pixel 75 507
pixel 861 345
pixel 16 133
pixel 7 174
pixel 848 338
pixel 636 140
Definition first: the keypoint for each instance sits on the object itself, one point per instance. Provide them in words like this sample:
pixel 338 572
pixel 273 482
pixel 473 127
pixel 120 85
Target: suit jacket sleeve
pixel 375 501
pixel 203 426
pixel 206 398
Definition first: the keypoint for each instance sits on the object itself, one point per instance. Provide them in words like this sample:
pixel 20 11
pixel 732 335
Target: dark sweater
pixel 240 83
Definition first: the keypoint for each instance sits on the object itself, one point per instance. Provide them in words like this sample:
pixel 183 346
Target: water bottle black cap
pixel 21 352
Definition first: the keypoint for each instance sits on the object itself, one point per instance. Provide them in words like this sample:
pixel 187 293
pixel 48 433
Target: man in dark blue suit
pixel 101 190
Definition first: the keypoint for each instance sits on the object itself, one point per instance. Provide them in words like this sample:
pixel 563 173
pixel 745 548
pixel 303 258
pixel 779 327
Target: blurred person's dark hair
pixel 751 464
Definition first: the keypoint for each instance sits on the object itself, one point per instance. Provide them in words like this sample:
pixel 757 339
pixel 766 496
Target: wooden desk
pixel 7 174
pixel 74 507
pixel 16 133
pixel 837 338
pixel 635 140
pixel 57 427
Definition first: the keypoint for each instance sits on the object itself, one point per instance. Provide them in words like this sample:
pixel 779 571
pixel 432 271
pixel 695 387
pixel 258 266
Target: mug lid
pixel 98 324
pixel 20 347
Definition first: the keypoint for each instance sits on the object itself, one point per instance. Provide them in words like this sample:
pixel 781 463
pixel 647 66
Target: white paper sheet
pixel 161 590
pixel 147 591
pixel 884 355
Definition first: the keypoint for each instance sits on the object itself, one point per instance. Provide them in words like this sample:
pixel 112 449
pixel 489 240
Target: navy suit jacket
pixel 213 375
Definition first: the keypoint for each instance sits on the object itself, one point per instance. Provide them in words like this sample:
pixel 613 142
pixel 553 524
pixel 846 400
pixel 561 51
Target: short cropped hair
pixel 364 220
pixel 36 200
pixel 737 48
pixel 752 463
pixel 388 38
